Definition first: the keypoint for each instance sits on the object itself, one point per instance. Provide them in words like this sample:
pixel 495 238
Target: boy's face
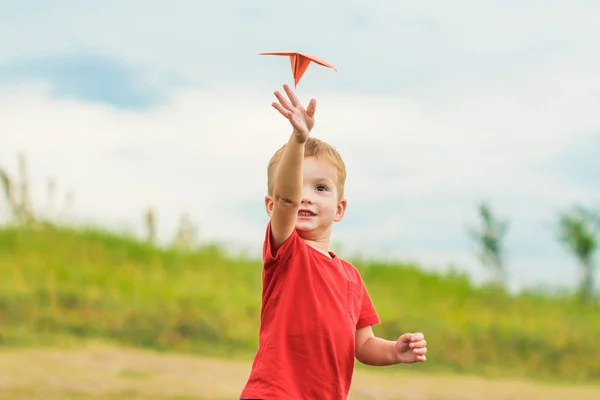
pixel 320 205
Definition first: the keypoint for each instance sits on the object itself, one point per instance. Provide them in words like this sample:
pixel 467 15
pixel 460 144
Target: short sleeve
pixel 368 314
pixel 284 251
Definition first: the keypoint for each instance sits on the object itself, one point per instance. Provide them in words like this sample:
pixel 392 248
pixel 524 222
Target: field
pixel 183 323
pixel 104 372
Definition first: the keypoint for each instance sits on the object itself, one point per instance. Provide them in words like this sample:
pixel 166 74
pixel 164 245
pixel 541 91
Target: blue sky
pixel 434 107
pixel 85 77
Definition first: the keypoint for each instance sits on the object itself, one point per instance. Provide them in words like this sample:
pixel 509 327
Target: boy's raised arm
pixel 287 185
pixel 287 192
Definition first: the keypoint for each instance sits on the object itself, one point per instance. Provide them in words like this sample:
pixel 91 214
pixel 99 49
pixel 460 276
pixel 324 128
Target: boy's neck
pixel 321 245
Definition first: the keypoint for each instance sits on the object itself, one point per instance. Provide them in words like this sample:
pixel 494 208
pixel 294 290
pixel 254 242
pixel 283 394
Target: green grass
pixel 60 285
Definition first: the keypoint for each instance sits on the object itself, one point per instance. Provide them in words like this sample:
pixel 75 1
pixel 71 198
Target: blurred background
pixel 134 140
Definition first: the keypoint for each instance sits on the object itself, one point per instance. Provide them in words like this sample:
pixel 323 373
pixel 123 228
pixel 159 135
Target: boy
pixel 316 314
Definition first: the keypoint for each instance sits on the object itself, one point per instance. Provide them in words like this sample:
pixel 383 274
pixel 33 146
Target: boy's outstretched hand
pixel 411 348
pixel 302 120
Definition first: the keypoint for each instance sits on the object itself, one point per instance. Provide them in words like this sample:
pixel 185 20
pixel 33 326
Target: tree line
pixel 576 228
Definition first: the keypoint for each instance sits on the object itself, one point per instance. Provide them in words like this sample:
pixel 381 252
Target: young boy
pixel 316 314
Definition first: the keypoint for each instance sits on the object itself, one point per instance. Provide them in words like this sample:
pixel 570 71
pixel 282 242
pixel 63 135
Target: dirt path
pixel 102 372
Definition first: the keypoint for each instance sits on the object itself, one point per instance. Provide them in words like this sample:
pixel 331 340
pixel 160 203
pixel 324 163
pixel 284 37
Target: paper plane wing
pixel 299 62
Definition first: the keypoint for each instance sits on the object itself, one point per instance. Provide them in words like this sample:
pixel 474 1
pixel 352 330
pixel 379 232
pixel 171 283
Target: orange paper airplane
pixel 299 62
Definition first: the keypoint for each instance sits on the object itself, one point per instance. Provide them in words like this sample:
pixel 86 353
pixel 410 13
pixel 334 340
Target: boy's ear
pixel 341 210
pixel 269 205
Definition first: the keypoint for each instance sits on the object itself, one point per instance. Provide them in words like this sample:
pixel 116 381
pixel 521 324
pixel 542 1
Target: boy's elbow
pixel 359 353
pixel 364 360
pixel 360 359
pixel 286 201
pixel 283 220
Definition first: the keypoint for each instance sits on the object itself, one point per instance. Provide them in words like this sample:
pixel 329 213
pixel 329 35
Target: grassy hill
pixel 59 284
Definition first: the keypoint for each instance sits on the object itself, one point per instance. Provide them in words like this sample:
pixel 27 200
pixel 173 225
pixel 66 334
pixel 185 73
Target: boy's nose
pixel 306 199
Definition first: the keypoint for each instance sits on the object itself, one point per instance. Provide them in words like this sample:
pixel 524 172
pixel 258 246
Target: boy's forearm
pixel 287 186
pixel 377 352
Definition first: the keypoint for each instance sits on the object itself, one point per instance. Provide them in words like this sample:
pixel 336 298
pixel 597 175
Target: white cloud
pixel 390 44
pixel 206 153
pixel 500 90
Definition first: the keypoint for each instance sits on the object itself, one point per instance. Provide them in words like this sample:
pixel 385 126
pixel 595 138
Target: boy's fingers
pixel 291 95
pixel 417 337
pixel 281 109
pixel 420 350
pixel 283 101
pixel 405 338
pixel 312 108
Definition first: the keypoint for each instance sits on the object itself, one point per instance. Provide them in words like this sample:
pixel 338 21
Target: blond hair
pixel 312 148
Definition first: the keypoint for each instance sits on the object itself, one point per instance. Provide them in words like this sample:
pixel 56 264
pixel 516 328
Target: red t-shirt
pixel 311 308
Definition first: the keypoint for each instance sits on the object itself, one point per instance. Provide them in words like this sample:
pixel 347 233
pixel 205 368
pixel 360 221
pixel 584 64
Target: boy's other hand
pixel 411 348
pixel 302 120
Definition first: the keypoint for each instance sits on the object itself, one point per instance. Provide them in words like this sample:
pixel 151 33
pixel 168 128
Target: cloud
pixel 415 172
pixel 435 107
pixel 86 77
pixel 413 47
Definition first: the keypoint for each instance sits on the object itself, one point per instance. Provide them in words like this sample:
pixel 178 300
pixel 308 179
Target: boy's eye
pixel 321 187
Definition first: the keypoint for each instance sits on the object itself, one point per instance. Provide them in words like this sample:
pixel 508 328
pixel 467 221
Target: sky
pixel 434 107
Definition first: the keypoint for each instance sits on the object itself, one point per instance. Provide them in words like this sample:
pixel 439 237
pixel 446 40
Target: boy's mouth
pixel 306 213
